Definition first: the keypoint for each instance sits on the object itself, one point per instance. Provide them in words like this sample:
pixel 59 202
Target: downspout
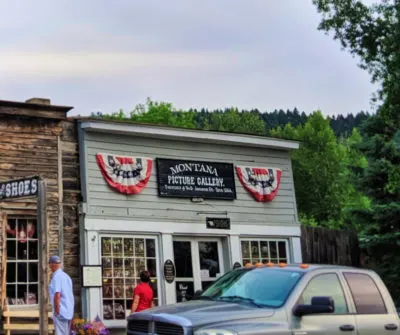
pixel 60 200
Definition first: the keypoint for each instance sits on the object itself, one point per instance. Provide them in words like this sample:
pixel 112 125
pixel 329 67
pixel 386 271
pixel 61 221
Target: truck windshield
pixel 264 287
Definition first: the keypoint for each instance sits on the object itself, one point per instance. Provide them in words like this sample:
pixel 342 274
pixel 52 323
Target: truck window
pixel 366 295
pixel 267 287
pixel 322 286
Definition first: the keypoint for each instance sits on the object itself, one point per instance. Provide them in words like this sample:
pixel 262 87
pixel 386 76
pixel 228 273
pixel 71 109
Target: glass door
pixel 198 263
pixel 210 264
pixel 184 280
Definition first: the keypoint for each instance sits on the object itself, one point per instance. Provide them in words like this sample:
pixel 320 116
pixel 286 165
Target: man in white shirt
pixel 61 297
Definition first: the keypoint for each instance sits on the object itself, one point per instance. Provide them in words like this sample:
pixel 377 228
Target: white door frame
pixel 194 244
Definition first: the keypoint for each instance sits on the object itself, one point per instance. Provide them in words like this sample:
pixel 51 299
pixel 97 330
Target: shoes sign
pixel 19 188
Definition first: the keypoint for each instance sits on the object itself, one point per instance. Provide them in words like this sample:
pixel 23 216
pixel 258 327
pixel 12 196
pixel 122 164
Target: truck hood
pixel 202 312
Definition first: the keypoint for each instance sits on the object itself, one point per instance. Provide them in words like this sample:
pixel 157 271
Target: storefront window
pixel 264 251
pixel 22 261
pixel 122 260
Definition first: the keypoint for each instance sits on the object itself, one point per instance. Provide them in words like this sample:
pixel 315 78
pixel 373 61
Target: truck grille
pixel 162 328
pixel 139 326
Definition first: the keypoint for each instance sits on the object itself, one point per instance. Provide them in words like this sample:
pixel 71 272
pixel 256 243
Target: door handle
pixel 346 328
pixel 391 326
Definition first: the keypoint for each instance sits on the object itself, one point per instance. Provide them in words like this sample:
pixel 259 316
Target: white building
pixel 190 209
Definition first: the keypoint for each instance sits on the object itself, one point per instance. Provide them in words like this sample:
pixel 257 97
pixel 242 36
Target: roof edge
pixel 29 105
pixel 191 135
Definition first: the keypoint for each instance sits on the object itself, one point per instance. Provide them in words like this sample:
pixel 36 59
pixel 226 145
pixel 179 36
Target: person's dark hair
pixel 145 276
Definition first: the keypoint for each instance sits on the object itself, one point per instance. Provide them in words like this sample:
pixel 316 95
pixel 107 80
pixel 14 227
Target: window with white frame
pixel 122 260
pixel 264 251
pixel 22 280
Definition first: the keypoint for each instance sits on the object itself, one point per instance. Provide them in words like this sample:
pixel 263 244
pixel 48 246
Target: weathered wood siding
pixel 330 246
pixel 105 202
pixel 48 148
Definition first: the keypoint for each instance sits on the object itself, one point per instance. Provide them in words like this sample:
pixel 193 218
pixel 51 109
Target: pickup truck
pixel 295 299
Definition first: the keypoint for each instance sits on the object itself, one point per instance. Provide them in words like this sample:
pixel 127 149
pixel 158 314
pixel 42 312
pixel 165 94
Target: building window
pixel 264 251
pixel 22 280
pixel 122 260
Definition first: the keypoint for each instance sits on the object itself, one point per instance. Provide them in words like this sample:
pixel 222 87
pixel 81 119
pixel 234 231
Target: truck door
pixel 372 315
pixel 339 322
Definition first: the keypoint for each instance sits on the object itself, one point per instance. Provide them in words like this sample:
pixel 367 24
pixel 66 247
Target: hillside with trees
pixel 231 119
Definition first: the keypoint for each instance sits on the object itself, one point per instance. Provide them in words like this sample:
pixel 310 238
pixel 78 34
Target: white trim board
pixel 191 229
pixel 188 135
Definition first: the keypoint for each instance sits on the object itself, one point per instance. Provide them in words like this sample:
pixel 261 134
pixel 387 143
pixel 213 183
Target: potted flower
pixel 82 327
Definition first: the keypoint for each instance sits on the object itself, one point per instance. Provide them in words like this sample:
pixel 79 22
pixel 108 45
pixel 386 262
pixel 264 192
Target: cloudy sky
pixel 101 55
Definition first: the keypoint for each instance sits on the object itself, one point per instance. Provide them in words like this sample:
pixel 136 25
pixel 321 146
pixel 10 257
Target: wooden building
pixel 36 139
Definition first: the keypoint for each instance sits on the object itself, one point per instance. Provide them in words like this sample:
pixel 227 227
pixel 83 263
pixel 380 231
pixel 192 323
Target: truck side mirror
pixel 319 305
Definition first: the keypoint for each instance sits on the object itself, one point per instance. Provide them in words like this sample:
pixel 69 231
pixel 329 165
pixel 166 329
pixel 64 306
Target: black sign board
pixel 19 188
pixel 184 291
pixel 169 271
pixel 218 223
pixel 195 179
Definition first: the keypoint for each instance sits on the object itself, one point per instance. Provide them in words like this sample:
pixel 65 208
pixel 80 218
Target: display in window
pixel 152 267
pixel 21 230
pixel 30 298
pixel 245 249
pixel 254 249
pixel 129 285
pixel 118 288
pixel 121 265
pixel 150 248
pixel 107 272
pixel 129 267
pixel 107 262
pixel 106 246
pixel 119 310
pixel 273 251
pixel 139 248
pixel 22 261
pixel 128 247
pixel 117 247
pixel 108 310
pixel 282 251
pixel 108 288
pixel 140 265
pixel 208 256
pixel 263 251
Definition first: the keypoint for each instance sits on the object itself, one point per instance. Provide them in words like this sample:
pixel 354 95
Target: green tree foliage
pixel 232 120
pixel 159 113
pixel 320 171
pixel 373 34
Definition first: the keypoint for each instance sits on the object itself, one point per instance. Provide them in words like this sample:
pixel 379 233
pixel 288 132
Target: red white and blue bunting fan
pixel 262 183
pixel 128 175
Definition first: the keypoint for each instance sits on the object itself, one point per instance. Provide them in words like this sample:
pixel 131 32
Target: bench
pixel 24 320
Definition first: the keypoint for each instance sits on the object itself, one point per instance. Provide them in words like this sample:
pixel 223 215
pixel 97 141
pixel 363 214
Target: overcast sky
pixel 101 55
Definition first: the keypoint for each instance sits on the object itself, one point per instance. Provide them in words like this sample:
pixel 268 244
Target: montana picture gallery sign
pixel 195 179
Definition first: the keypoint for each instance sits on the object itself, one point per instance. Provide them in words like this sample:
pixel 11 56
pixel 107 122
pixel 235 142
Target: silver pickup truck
pixel 294 299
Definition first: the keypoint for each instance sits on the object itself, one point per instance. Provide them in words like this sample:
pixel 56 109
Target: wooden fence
pixel 327 246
